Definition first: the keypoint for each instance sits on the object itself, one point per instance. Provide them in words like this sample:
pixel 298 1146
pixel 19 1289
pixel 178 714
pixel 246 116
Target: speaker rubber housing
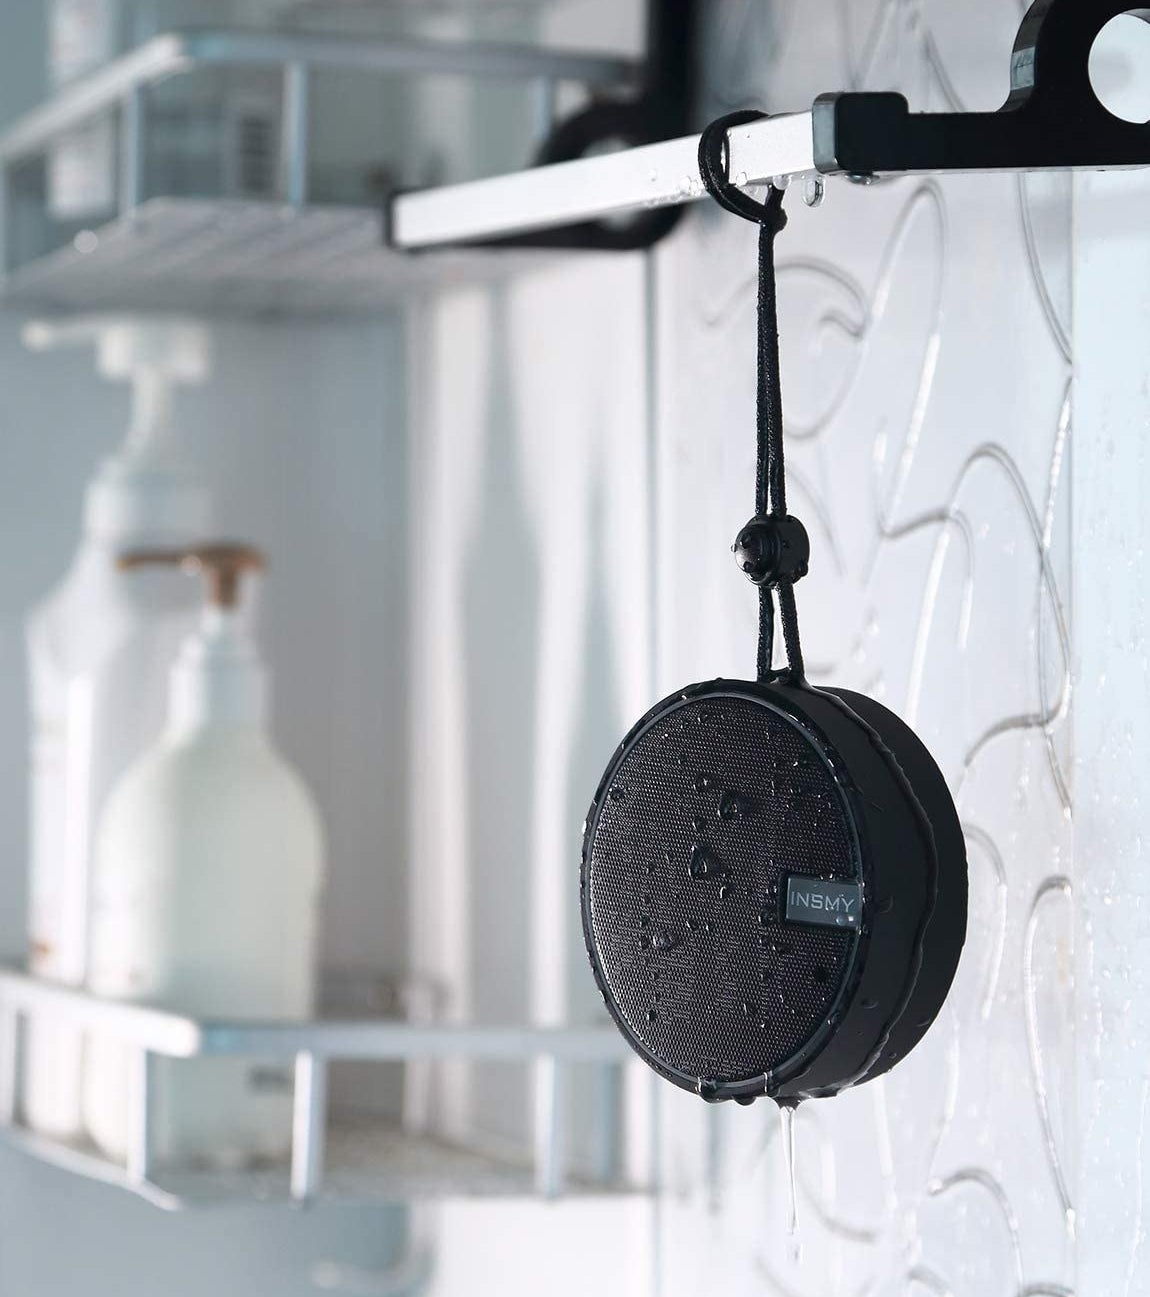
pixel 774 889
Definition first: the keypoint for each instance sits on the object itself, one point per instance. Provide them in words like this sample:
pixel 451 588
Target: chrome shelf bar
pixel 170 1034
pixel 86 1164
pixel 175 1035
pixel 309 1119
pixel 568 193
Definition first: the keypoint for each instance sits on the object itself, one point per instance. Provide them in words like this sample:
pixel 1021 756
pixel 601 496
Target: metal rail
pixel 569 193
pixel 175 1035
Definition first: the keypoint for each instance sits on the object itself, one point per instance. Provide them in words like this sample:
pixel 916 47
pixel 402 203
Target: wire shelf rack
pixel 236 257
pixel 286 250
pixel 334 1155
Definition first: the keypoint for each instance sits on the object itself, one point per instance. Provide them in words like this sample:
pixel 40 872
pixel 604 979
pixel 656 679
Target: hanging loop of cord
pixel 772 549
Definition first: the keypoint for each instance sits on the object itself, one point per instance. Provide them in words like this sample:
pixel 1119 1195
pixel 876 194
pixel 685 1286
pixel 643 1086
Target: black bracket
pixel 660 111
pixel 1052 118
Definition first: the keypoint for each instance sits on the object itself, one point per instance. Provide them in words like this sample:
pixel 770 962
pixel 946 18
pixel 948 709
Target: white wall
pixel 1111 481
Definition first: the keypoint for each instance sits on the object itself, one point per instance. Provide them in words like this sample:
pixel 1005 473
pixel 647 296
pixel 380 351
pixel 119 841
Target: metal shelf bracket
pixel 1052 120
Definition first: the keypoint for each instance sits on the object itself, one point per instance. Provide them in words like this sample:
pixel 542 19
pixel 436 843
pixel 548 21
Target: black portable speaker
pixel 774 889
pixel 774 881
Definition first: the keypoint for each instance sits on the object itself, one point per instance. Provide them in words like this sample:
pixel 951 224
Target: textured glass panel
pixel 926 345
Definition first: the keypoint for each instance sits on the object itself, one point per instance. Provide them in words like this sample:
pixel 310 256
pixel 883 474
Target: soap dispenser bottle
pixel 207 877
pixel 99 649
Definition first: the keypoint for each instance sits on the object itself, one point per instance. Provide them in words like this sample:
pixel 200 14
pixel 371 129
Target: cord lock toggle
pixel 772 549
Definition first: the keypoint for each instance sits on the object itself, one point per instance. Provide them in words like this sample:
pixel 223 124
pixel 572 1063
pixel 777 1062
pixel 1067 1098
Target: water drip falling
pixel 787 1132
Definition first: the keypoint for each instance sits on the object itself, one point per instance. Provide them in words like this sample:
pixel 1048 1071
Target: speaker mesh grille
pixel 707 813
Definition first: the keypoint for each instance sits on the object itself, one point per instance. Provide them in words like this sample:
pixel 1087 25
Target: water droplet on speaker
pixel 665 941
pixel 749 1009
pixel 706 1089
pixel 652 1014
pixel 704 863
pixel 730 807
pixel 699 823
pixel 723 892
pixel 693 925
pixel 616 794
pixel 708 927
pixel 702 783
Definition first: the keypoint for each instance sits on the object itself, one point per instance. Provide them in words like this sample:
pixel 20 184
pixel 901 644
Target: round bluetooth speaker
pixel 773 889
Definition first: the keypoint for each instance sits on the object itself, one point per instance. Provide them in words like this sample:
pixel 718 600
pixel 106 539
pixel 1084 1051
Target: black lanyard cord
pixel 772 549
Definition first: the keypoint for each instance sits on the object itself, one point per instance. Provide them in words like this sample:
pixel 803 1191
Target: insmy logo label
pixel 814 900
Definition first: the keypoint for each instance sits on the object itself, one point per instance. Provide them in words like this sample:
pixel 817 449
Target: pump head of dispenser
pixel 221 564
pixel 144 491
pixel 217 677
